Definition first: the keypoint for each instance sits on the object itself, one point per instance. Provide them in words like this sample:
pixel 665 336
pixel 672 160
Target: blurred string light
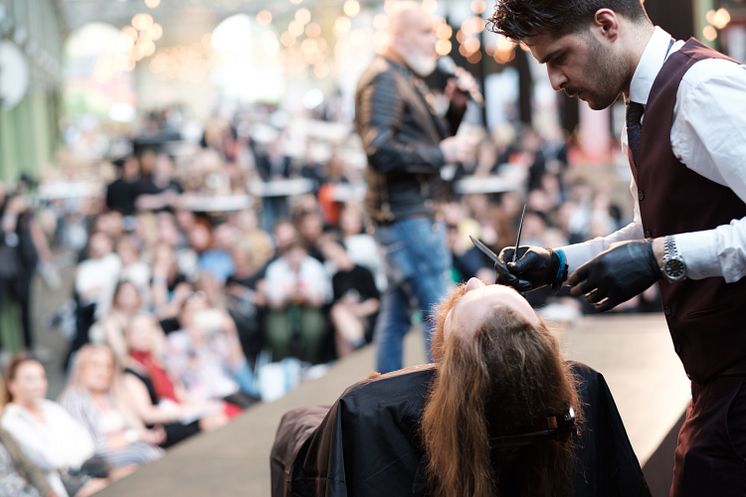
pixel 444 32
pixel 430 6
pixel 469 38
pixel 351 8
pixel 342 26
pixel 478 6
pixel 710 33
pixel 142 21
pixel 503 50
pixel 287 40
pixel 296 28
pixel 264 17
pixel 718 20
pixel 152 4
pixel 313 30
pixel 139 37
pixel 303 16
pixel 189 63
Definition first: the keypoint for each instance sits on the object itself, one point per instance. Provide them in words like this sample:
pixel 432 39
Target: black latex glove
pixel 616 275
pixel 534 268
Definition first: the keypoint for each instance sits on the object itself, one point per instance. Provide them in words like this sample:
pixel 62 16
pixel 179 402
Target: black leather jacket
pixel 400 134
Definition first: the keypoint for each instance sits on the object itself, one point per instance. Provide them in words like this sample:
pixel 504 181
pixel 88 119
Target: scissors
pixel 500 266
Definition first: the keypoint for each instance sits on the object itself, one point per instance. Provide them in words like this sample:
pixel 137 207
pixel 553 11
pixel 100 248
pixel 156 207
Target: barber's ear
pixel 606 24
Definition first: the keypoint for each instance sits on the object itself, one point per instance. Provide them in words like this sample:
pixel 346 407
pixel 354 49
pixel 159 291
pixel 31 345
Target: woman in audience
pixel 47 434
pixel 170 286
pixel 97 275
pixel 94 397
pixel 356 300
pixel 126 303
pixel 361 246
pixel 206 356
pixel 153 393
pixel 298 289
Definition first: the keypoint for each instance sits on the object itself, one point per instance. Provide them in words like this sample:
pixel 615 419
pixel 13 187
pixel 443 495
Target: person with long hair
pixel 156 398
pixel 46 433
pixel 95 397
pixel 499 374
pixel 497 414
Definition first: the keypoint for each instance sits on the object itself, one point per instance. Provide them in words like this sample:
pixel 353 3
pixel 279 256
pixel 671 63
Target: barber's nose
pixel 556 78
pixel 473 284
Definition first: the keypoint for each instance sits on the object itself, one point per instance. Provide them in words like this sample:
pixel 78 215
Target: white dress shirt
pixel 708 136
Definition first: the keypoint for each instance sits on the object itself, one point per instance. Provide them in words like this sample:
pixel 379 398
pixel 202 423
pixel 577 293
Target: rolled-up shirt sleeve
pixel 709 137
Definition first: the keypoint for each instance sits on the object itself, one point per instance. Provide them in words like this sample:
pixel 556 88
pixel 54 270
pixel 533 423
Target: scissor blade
pixel 484 248
pixel 520 229
pixel 500 266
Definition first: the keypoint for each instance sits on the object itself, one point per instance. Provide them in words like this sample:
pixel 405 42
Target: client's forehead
pixel 470 311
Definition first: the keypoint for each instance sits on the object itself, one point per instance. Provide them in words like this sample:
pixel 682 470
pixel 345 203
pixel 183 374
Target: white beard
pixel 422 65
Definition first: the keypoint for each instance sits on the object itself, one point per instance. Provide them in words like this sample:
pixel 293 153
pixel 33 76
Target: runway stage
pixel 634 353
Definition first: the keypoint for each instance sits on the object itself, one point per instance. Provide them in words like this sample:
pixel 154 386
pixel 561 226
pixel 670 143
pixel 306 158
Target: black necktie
pixel 634 115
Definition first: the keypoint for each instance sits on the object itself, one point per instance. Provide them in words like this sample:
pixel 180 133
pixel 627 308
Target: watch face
pixel 674 269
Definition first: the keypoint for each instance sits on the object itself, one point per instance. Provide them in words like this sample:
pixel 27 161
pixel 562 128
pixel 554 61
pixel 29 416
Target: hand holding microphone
pixel 459 81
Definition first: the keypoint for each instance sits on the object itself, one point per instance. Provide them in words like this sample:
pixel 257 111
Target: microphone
pixel 447 67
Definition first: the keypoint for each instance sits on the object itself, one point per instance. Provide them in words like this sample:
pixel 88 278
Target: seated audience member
pixel 126 303
pixel 170 287
pixel 361 245
pixel 297 289
pixel 46 433
pixel 495 415
pixel 243 301
pixel 154 395
pixel 212 248
pixel 355 303
pixel 97 275
pixel 261 242
pixel 94 397
pixel 157 189
pixel 134 267
pixel 121 193
pixel 206 356
pixel 310 225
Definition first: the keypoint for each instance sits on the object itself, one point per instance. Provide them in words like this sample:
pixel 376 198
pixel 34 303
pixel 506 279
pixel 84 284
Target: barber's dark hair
pixel 521 19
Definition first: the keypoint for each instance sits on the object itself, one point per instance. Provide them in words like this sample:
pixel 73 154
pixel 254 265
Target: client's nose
pixel 473 284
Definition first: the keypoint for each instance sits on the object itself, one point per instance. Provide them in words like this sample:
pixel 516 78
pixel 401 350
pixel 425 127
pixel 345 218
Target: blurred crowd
pixel 212 276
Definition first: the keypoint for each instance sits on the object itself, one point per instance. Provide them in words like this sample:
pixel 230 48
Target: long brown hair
pixel 502 380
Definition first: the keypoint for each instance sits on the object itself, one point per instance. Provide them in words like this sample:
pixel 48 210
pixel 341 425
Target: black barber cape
pixel 368 443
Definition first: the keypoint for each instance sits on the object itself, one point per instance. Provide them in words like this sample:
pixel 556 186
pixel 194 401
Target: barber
pixel 686 140
pixel 408 137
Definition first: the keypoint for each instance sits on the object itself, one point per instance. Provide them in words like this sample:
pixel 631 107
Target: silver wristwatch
pixel 673 266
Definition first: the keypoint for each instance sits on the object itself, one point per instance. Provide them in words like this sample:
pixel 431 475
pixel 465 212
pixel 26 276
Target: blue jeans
pixel 417 265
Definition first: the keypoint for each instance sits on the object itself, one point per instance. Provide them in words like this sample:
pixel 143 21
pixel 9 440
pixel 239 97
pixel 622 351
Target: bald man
pixel 407 141
pixel 490 417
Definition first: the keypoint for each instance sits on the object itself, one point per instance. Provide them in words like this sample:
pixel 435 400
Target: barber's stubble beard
pixel 606 77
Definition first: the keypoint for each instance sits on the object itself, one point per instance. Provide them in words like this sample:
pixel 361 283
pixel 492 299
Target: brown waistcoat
pixel 706 317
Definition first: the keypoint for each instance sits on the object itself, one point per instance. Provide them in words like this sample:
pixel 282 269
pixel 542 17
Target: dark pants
pixel 18 289
pixel 711 450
